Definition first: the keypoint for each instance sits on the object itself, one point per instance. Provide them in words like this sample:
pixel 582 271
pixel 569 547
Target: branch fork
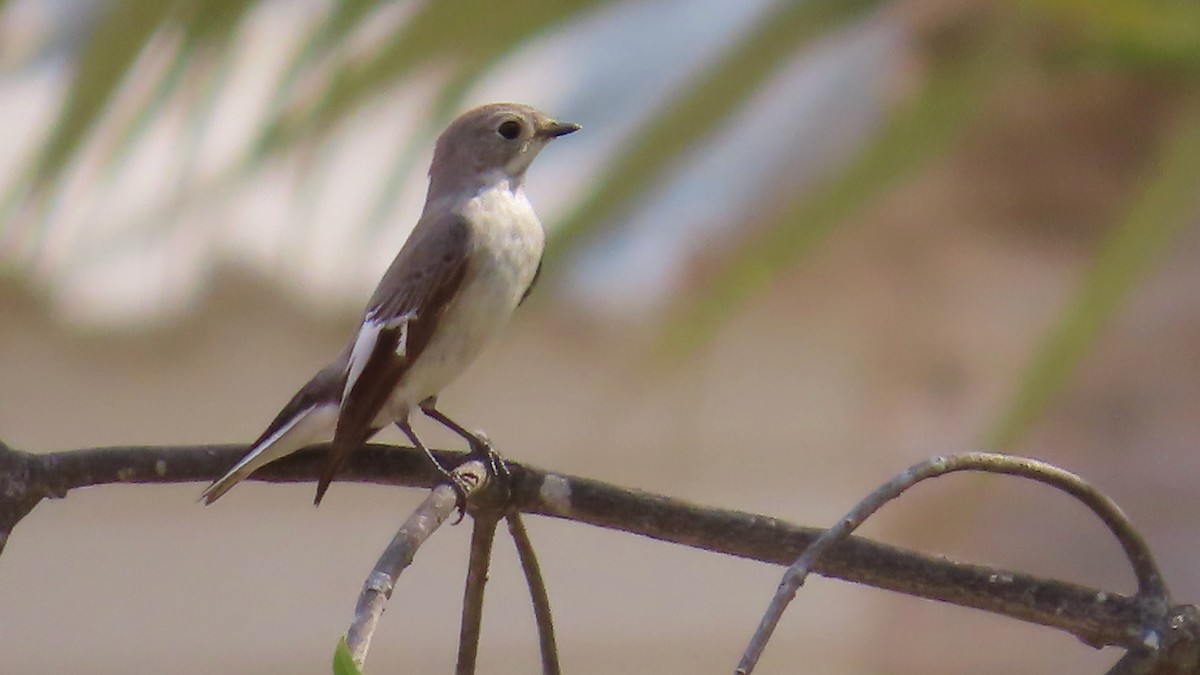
pixel 1159 638
pixel 1152 590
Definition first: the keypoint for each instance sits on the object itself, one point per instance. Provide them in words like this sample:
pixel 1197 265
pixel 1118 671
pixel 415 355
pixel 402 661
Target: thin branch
pixel 1150 582
pixel 20 491
pixel 482 537
pixel 399 554
pixel 1097 617
pixel 537 594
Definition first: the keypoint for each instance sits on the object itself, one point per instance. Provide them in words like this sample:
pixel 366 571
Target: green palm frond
pixel 920 131
pixel 1169 200
pixel 463 36
pixel 1161 35
pixel 207 30
pixel 321 40
pixel 461 40
pixel 121 32
pixel 717 93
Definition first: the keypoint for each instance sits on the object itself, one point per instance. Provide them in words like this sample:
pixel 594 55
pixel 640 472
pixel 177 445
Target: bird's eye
pixel 509 129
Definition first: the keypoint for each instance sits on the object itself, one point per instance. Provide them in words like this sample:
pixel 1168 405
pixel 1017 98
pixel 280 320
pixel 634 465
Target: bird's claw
pixel 495 466
pixel 483 450
pixel 460 497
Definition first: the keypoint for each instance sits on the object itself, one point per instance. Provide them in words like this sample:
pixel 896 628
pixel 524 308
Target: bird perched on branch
pixel 471 259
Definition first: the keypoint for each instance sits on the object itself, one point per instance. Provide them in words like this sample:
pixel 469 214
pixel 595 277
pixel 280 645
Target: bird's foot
pixel 454 480
pixel 460 496
pixel 483 450
pixel 495 466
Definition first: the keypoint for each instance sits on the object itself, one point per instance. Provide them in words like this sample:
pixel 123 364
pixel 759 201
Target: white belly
pixel 507 249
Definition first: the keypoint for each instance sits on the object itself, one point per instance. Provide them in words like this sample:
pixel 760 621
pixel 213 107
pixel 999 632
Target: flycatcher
pixel 472 258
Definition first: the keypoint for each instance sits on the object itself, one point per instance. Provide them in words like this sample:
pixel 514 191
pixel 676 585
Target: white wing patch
pixel 364 345
pixel 402 341
pixel 312 424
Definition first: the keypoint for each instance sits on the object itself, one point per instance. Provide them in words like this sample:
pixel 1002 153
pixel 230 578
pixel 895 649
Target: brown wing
pixel 323 388
pixel 400 320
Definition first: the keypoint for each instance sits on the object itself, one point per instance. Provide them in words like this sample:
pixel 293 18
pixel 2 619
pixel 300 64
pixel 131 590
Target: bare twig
pixel 1097 618
pixel 482 537
pixel 1150 582
pixel 20 491
pixel 398 555
pixel 537 593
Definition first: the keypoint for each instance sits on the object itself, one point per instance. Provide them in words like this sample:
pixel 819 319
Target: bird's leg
pixel 481 447
pixel 459 489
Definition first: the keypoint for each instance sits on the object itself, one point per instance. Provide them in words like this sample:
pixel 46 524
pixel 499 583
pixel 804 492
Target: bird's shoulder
pixel 432 262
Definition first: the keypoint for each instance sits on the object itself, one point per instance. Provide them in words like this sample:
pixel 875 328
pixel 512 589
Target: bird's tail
pixel 306 426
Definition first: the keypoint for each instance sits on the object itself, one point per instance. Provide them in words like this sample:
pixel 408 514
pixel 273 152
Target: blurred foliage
pixel 207 31
pixel 1155 38
pixel 1145 34
pixel 343 661
pixel 119 35
pixel 466 36
pixel 1168 200
pixel 918 131
pixel 325 82
pixel 712 98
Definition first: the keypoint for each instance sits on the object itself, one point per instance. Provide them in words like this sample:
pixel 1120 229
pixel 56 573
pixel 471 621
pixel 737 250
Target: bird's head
pixel 493 142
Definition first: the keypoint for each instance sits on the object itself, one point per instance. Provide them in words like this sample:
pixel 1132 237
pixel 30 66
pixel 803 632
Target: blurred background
pixel 797 247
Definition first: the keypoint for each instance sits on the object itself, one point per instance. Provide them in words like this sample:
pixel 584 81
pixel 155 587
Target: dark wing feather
pixel 420 284
pixel 323 388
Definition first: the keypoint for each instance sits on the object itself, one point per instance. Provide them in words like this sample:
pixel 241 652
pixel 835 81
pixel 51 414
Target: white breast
pixel 508 242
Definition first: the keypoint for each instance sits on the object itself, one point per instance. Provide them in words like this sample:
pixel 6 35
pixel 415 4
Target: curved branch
pixel 483 535
pixel 1150 583
pixel 537 593
pixel 398 555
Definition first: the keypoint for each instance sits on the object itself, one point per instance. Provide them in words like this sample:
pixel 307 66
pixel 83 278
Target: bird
pixel 472 258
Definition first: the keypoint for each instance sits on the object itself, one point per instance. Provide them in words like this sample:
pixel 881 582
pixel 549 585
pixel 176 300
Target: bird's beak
pixel 554 129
